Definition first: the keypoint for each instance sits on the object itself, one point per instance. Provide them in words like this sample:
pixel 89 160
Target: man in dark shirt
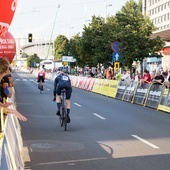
pixel 159 78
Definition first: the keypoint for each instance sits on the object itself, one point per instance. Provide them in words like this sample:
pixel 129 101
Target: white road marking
pixel 77 104
pixel 24 79
pixel 99 116
pixel 146 142
pixel 73 161
pixel 31 80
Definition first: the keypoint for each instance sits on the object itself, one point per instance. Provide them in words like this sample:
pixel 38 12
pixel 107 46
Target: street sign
pixel 115 46
pixel 69 59
pixel 115 56
pixel 65 63
pixel 116 65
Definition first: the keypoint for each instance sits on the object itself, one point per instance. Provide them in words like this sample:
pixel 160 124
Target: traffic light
pixel 20 52
pixel 29 37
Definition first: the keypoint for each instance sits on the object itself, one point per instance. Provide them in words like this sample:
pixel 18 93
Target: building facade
pixel 159 13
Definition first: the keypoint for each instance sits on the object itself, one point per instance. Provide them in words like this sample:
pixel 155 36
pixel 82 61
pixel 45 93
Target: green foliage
pixel 61 47
pixel 134 31
pixel 94 45
pixel 31 59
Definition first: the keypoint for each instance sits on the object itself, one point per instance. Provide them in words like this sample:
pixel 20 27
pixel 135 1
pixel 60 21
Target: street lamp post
pixel 106 5
pixel 69 32
pixel 52 31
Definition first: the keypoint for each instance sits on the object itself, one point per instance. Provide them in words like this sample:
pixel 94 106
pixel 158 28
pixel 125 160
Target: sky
pixel 46 19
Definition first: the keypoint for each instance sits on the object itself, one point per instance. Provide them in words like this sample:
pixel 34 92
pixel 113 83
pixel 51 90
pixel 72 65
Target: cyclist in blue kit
pixel 62 81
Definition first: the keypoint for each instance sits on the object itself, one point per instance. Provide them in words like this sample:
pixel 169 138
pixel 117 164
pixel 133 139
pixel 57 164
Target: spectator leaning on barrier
pixel 159 78
pixel 137 76
pixel 109 74
pixel 146 78
pixel 166 79
pixel 4 67
pixel 6 91
pixel 126 76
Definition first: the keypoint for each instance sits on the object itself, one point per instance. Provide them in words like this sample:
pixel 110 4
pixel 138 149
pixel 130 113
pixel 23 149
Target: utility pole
pixel 52 31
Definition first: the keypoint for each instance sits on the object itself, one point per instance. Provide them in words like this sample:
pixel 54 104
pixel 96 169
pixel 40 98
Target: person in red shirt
pixel 41 78
pixel 146 78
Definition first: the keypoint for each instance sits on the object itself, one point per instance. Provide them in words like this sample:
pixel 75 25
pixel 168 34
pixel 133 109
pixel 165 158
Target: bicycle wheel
pixel 65 119
pixel 61 117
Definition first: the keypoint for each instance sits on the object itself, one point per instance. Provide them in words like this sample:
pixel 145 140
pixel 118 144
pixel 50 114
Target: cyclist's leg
pixel 68 103
pixel 42 83
pixel 58 101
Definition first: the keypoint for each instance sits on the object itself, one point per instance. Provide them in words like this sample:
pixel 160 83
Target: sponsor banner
pixel 121 89
pixel 86 84
pixel 104 86
pixel 96 86
pixel 164 104
pixel 141 94
pixel 79 82
pixel 14 144
pixel 100 90
pixel 112 90
pixel 91 84
pixel 5 160
pixel 82 82
pixel 130 91
pixel 154 95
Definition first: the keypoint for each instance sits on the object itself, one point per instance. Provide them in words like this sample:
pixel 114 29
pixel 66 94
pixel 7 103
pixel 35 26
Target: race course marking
pixel 146 142
pixel 99 116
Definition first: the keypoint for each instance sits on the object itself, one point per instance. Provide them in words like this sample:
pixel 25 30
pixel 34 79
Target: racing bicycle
pixel 63 110
pixel 40 86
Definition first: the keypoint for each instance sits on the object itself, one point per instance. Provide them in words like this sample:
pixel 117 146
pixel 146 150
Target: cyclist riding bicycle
pixel 62 81
pixel 41 78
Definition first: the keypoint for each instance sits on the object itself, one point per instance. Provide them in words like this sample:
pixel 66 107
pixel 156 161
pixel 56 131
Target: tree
pixel 61 47
pixel 31 59
pixel 134 30
pixel 95 43
pixel 74 46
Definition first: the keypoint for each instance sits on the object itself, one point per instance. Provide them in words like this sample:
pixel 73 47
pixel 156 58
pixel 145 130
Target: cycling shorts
pixel 41 79
pixel 68 91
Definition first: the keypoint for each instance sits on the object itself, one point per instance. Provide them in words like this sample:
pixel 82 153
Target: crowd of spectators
pixel 160 76
pixel 7 90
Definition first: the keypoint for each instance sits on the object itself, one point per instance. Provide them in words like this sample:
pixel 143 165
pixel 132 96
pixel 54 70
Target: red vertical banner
pixel 7 10
pixel 7 46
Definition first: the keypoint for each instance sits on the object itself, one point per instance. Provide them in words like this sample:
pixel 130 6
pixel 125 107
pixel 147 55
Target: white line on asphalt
pixel 99 116
pixel 73 161
pixel 148 143
pixel 77 104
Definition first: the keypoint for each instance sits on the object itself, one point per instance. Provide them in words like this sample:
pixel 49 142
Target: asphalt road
pixel 104 133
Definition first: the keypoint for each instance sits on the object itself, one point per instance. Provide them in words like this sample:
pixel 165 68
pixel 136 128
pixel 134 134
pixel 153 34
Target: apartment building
pixel 159 13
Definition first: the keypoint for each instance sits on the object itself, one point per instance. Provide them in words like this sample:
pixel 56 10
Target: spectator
pixel 4 66
pixel 109 74
pixel 6 90
pixel 159 78
pixel 126 76
pixel 146 78
pixel 137 76
pixel 166 79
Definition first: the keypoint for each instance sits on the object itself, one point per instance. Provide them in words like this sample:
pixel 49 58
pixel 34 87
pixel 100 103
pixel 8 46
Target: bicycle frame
pixel 63 115
pixel 40 86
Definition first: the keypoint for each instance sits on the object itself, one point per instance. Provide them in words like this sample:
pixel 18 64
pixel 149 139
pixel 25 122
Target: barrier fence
pixel 11 144
pixel 149 95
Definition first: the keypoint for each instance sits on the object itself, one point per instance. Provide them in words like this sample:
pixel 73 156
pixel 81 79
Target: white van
pixel 47 64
